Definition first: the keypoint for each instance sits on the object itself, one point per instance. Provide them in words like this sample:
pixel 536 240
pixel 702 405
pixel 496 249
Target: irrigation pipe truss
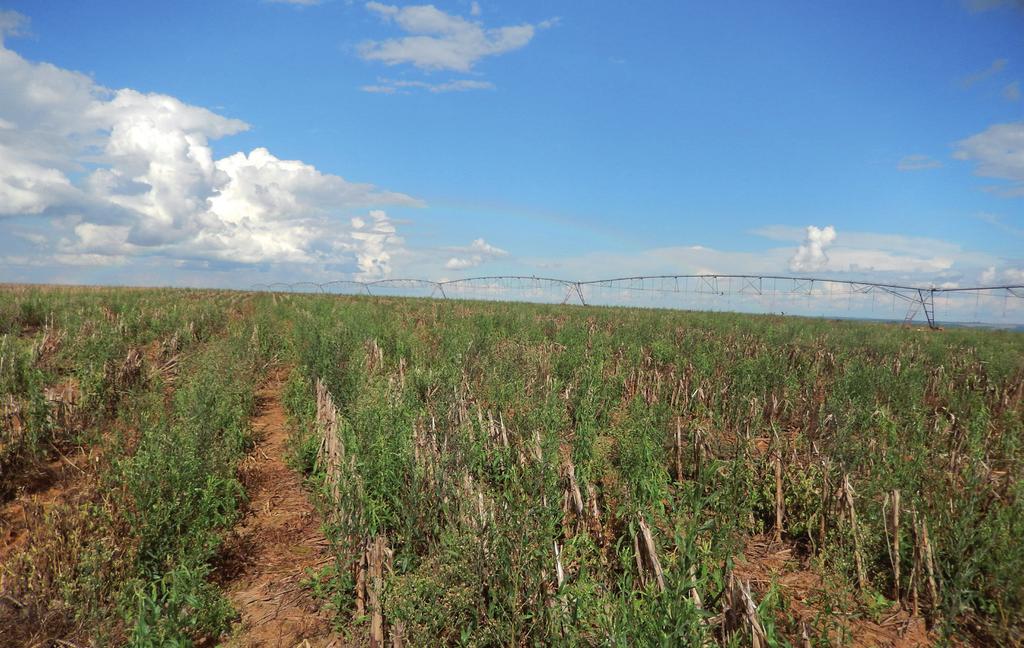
pixel 919 299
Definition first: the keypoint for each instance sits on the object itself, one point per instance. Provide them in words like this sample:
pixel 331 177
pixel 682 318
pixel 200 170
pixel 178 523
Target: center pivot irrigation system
pixel 763 288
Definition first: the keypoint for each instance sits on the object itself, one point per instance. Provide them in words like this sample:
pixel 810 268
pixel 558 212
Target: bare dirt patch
pixel 46 493
pixel 277 544
pixel 765 561
pixel 42 485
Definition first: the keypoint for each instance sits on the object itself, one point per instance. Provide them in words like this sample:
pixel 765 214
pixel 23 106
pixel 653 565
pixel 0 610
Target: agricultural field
pixel 184 467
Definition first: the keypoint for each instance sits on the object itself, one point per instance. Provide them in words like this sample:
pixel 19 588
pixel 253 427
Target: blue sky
pixel 572 139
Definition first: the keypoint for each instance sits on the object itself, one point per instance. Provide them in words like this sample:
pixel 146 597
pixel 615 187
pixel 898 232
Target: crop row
pixel 155 390
pixel 516 473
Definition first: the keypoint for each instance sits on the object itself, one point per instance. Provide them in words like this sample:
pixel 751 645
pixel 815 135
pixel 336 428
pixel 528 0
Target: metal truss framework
pixel 918 299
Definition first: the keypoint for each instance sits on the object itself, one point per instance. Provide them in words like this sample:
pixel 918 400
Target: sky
pixel 238 142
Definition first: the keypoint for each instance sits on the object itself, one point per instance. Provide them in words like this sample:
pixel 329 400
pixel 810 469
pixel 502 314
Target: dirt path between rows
pixel 277 543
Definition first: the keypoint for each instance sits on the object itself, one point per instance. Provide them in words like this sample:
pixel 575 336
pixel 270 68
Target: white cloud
pixel 917 162
pixel 1008 275
pixel 392 86
pixel 869 253
pixel 263 187
pixel 474 254
pixel 474 8
pixel 374 243
pixel 811 253
pixel 441 41
pixel 483 247
pixel 109 240
pixel 98 260
pixel 147 183
pixel 856 256
pixel 917 259
pixel 456 263
pixel 27 187
pixel 998 152
pixel 12 23
pixel 32 237
pixel 1012 91
pixel 864 261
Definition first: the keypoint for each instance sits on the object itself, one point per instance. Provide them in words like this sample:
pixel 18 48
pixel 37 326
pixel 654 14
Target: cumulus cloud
pixel 473 255
pixel 124 173
pixel 998 152
pixel 483 247
pixel 441 41
pixel 375 239
pixel 811 253
pixel 917 162
pixel 869 254
pixel 456 263
pixel 27 187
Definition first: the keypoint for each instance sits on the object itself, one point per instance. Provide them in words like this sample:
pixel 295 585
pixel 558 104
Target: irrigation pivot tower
pixel 763 290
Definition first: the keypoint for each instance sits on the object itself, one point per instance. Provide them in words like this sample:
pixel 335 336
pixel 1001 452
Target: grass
pixel 126 555
pixel 473 509
pixel 538 474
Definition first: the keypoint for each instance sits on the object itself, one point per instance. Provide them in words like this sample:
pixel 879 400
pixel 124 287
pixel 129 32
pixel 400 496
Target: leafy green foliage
pixel 468 428
pixel 507 394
